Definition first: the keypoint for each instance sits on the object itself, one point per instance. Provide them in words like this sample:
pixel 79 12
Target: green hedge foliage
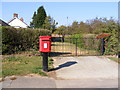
pixel 88 42
pixel 14 40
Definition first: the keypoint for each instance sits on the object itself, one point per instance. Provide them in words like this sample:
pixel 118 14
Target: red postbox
pixel 45 43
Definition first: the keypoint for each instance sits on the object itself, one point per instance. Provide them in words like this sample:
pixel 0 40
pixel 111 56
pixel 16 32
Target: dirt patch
pixel 13 78
pixel 2 79
pixel 52 74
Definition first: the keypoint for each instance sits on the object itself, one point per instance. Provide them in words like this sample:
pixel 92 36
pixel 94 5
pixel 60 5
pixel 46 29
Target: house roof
pixel 11 20
pixel 3 23
pixel 17 18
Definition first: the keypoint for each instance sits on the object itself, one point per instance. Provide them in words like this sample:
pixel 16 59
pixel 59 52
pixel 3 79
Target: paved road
pixel 73 72
pixel 44 82
pixel 29 82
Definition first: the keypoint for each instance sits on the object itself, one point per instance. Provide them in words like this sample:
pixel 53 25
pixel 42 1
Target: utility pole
pixel 67 23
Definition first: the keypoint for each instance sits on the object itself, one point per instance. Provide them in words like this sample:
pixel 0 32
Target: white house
pixel 16 22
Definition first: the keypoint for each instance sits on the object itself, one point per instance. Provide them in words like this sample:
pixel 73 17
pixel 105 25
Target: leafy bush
pixel 112 44
pixel 76 36
pixel 14 40
pixel 85 41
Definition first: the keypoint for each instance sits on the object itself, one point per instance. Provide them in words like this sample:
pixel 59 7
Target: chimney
pixel 15 15
pixel 22 19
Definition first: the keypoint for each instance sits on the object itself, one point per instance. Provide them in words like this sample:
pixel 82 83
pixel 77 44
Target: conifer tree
pixel 38 18
pixel 32 24
pixel 50 24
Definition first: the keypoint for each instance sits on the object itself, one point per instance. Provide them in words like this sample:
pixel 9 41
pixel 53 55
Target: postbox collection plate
pixel 45 43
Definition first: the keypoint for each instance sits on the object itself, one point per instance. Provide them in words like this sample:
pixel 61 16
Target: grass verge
pixel 23 65
pixel 114 59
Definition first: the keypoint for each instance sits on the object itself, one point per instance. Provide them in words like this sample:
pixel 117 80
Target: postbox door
pixel 46 46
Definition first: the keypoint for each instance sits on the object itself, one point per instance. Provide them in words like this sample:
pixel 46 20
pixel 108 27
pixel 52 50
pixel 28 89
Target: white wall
pixel 17 23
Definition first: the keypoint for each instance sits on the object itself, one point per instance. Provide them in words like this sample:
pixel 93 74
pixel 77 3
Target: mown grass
pixel 23 65
pixel 114 59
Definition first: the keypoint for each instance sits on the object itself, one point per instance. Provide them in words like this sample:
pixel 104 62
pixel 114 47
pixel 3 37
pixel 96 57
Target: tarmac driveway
pixel 86 72
pixel 85 67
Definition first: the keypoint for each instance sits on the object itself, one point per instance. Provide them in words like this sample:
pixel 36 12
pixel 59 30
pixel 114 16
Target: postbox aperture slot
pixel 45 40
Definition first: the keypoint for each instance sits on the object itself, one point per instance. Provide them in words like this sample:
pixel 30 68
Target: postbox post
pixel 45 47
pixel 45 62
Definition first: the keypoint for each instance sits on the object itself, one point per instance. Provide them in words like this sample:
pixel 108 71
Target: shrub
pixel 86 41
pixel 14 40
pixel 112 44
pixel 75 38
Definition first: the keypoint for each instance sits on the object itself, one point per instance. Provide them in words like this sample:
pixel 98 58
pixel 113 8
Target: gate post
pixel 76 46
pixel 102 46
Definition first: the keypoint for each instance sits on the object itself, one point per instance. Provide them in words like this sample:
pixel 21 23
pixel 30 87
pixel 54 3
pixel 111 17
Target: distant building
pixel 3 23
pixel 17 23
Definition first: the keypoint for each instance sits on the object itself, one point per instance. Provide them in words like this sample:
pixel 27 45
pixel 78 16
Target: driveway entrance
pixel 85 67
pixel 90 69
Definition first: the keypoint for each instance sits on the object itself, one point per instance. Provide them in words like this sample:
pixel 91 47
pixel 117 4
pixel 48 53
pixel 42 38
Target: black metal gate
pixel 77 47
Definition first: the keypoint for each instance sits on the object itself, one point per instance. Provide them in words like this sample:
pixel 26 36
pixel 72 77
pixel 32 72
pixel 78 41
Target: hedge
pixel 87 42
pixel 15 40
